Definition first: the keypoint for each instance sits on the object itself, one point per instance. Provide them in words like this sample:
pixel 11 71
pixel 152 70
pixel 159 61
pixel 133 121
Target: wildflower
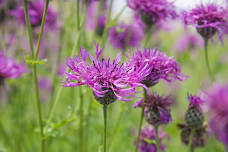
pixel 157 109
pixel 208 20
pixel 218 109
pixel 147 140
pixel 188 42
pixel 153 11
pixel 95 21
pixel 159 65
pixel 35 11
pixel 125 35
pixel 9 69
pixel 200 135
pixel 109 80
pixel 194 116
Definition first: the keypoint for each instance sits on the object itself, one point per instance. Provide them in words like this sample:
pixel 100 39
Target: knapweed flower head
pixel 124 36
pixel 218 109
pixel 194 116
pixel 208 20
pixel 157 109
pixel 147 140
pixel 153 11
pixel 5 7
pixel 200 135
pixel 188 42
pixel 159 65
pixel 95 21
pixel 109 80
pixel 35 11
pixel 9 69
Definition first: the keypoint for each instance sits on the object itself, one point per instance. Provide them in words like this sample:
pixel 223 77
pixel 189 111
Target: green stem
pixel 104 37
pixel 77 15
pixel 190 147
pixel 141 122
pixel 157 139
pixel 148 36
pixel 34 68
pixel 42 28
pixel 81 120
pixel 206 58
pixel 105 124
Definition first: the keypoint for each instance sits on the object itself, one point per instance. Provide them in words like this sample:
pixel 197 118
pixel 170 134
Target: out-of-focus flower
pixel 188 42
pixel 35 10
pixel 109 80
pixel 200 135
pixel 5 7
pixel 95 21
pixel 9 69
pixel 147 140
pixel 45 86
pixel 123 36
pixel 160 65
pixel 153 11
pixel 208 19
pixel 194 116
pixel 157 109
pixel 218 108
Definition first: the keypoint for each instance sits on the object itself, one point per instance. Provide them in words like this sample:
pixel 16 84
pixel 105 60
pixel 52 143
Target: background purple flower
pixel 95 21
pixel 35 10
pixel 208 20
pixel 153 11
pixel 9 69
pixel 123 36
pixel 188 42
pixel 218 108
pixel 147 140
pixel 161 66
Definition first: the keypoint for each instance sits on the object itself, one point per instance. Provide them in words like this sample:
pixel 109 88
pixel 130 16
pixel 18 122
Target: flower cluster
pixel 147 138
pixel 208 20
pixel 159 64
pixel 218 108
pixel 35 10
pixel 153 11
pixel 125 35
pixel 9 69
pixel 109 80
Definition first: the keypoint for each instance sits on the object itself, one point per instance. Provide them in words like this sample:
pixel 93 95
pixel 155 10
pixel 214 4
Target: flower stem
pixel 206 58
pixel 81 120
pixel 105 124
pixel 34 69
pixel 141 122
pixel 190 147
pixel 157 139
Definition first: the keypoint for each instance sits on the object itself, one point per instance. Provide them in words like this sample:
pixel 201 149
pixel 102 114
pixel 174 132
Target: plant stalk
pixel 206 58
pixel 157 139
pixel 105 124
pixel 190 147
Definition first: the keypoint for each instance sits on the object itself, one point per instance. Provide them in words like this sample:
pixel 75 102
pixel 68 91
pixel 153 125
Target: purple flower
pixel 159 65
pixel 188 42
pixel 95 21
pixel 9 69
pixel 109 80
pixel 153 11
pixel 35 10
pixel 208 20
pixel 125 35
pixel 195 101
pixel 218 108
pixel 147 140
pixel 157 109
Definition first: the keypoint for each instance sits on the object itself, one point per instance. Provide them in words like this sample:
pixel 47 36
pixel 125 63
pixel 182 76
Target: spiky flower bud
pixel 157 110
pixel 199 139
pixel 194 116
